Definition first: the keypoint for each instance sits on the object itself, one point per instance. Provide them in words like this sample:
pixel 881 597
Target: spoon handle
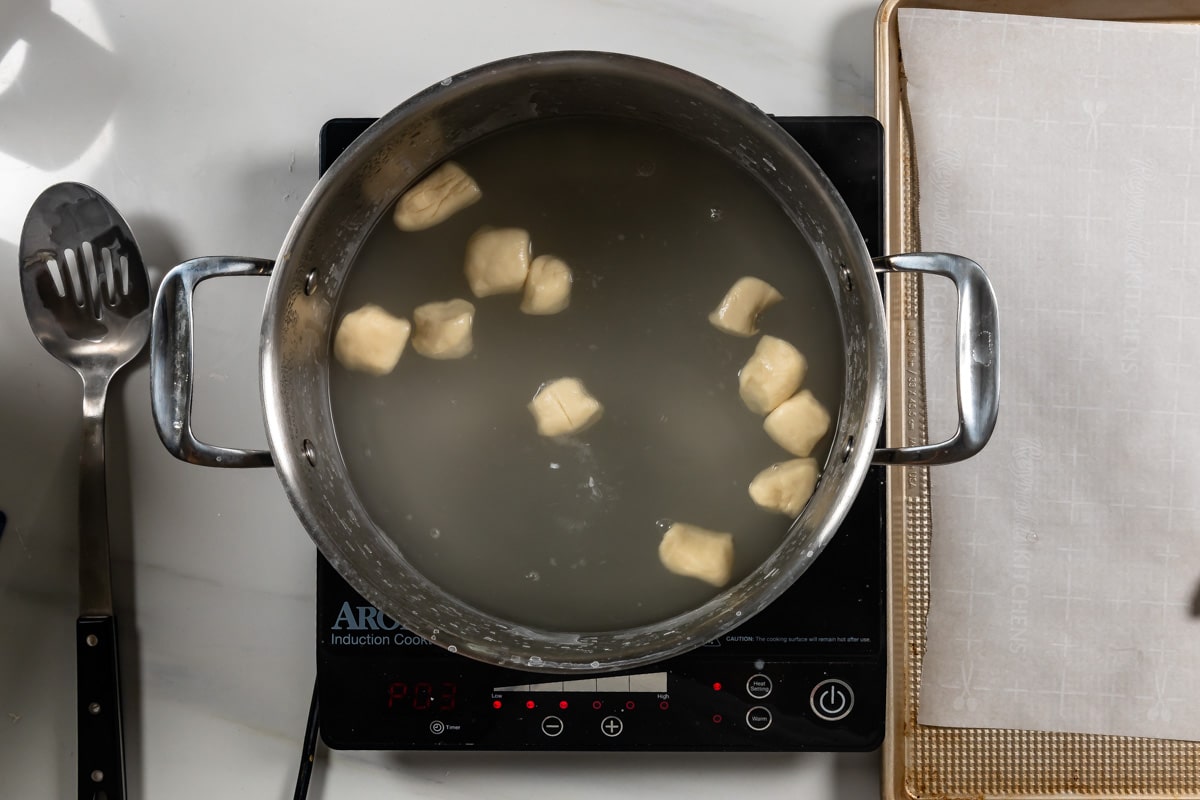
pixel 98 677
pixel 101 747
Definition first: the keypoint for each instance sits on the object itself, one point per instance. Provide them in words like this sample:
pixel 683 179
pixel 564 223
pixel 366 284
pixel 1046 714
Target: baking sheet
pixel 1066 555
pixel 923 761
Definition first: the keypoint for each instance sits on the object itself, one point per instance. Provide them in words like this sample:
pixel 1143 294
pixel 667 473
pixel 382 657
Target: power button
pixel 831 699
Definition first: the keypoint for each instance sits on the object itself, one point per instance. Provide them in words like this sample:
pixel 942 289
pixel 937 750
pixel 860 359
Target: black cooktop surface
pixel 807 673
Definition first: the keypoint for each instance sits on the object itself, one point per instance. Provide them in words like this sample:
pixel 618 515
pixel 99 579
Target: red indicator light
pixel 717 719
pixel 717 686
pixel 664 705
pixel 629 705
pixel 596 704
pixel 562 703
pixel 496 704
pixel 530 704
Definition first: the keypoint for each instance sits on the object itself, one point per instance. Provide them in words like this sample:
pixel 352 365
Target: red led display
pixel 530 704
pixel 630 705
pixel 717 686
pixel 596 704
pixel 496 704
pixel 562 703
pixel 717 719
pixel 422 696
pixel 664 705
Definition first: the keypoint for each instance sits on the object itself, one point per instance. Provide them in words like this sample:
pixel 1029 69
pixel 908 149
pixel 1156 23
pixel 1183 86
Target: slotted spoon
pixel 87 297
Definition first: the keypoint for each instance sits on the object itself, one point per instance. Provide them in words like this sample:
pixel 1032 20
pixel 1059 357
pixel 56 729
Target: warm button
pixel 759 686
pixel 758 718
pixel 831 699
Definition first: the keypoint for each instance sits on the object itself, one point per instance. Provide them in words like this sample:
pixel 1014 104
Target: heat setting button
pixel 552 726
pixel 612 727
pixel 832 699
pixel 759 686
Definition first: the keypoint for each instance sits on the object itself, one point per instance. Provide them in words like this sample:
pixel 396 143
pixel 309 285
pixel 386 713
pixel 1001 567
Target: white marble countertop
pixel 200 121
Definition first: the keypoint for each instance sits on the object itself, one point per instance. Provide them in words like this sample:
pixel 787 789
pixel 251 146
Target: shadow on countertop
pixel 159 253
pixel 849 776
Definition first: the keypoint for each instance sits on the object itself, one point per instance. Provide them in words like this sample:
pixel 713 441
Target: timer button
pixel 759 718
pixel 832 699
pixel 552 726
pixel 759 686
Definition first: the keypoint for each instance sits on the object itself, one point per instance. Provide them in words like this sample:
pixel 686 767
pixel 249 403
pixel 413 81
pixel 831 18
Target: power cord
pixel 311 734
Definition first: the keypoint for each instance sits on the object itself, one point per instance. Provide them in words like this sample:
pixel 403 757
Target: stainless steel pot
pixel 361 187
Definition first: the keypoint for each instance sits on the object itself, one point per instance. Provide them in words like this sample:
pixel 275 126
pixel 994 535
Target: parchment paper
pixel 1064 156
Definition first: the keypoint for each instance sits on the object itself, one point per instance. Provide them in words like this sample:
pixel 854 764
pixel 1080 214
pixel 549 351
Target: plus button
pixel 612 726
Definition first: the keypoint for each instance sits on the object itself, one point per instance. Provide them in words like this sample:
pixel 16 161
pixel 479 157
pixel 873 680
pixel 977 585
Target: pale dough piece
pixel 798 423
pixel 497 261
pixel 548 287
pixel 436 197
pixel 772 375
pixel 443 330
pixel 739 310
pixel 785 487
pixel 564 406
pixel 370 340
pixel 694 552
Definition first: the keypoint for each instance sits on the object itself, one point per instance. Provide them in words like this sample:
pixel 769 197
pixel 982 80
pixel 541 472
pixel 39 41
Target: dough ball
pixel 564 406
pixel 739 311
pixel 548 287
pixel 694 552
pixel 370 340
pixel 785 487
pixel 772 375
pixel 798 423
pixel 436 197
pixel 444 329
pixel 497 261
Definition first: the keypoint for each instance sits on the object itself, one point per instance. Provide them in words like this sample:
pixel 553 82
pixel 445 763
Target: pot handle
pixel 171 361
pixel 977 363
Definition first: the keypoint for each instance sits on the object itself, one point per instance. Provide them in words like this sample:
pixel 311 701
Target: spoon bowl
pixel 85 288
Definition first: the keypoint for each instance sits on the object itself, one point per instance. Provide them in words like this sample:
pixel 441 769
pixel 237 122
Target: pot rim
pixel 577 652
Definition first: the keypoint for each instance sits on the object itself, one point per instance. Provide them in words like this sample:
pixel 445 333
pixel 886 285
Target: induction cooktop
pixel 807 673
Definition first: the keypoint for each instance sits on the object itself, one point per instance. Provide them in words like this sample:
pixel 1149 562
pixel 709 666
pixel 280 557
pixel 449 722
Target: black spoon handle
pixel 101 743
